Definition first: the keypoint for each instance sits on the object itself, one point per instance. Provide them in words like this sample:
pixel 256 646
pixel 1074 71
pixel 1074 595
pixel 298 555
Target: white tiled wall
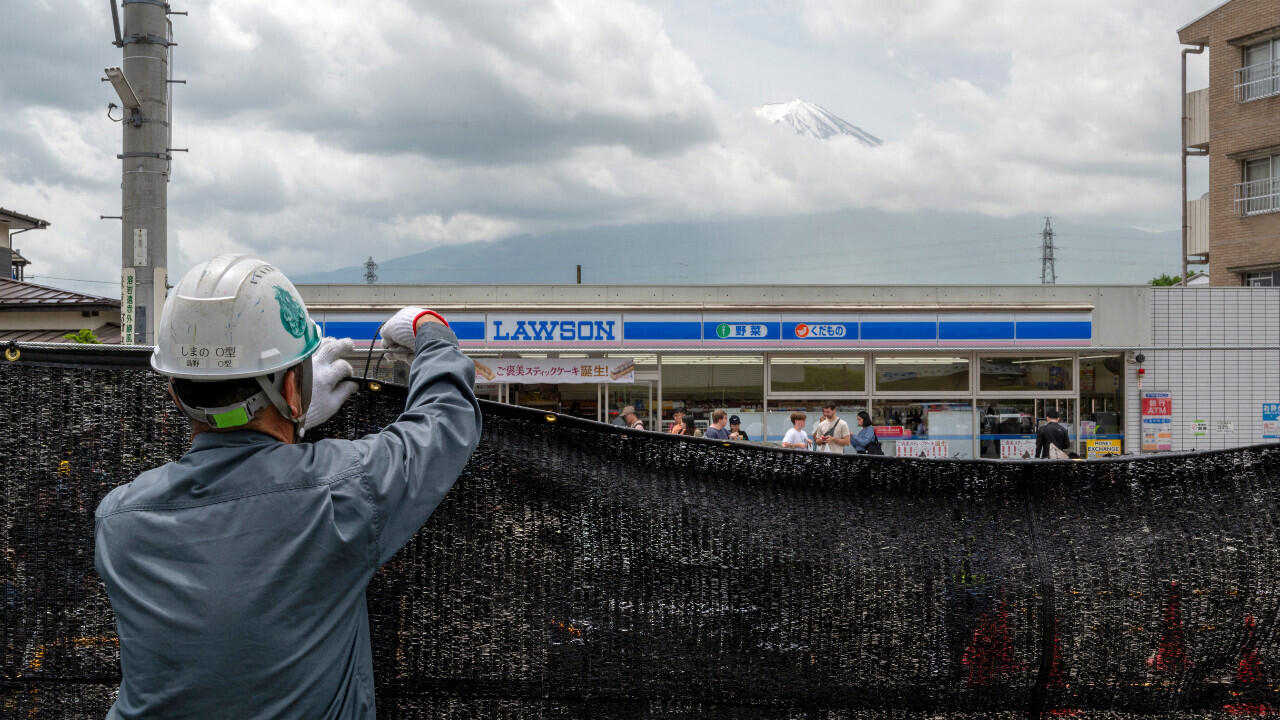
pixel 1207 382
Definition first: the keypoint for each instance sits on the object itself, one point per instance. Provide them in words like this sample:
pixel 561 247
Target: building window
pixel 817 375
pixel 1261 279
pixel 1025 373
pixel 700 384
pixel 1009 426
pixel 922 428
pixel 779 417
pixel 1260 191
pixel 1101 399
pixel 922 373
pixel 1260 76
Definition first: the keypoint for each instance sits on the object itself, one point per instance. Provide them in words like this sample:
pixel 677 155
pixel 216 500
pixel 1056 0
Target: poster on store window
pixel 500 371
pixel 922 448
pixel 1017 448
pixel 1102 448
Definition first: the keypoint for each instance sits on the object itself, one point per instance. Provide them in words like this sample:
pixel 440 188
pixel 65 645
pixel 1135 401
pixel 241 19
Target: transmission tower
pixel 370 271
pixel 1048 275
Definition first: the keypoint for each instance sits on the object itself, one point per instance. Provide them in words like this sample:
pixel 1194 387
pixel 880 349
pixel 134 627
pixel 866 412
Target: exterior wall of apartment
pixel 1205 380
pixel 69 320
pixel 1235 130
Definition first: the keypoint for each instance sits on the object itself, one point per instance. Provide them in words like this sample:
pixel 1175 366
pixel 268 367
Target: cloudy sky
pixel 323 131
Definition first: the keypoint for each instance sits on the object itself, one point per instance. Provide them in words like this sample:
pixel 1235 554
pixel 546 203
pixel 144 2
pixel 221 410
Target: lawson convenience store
pixel 963 371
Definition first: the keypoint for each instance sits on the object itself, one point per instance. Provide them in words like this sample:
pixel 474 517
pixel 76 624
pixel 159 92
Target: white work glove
pixel 330 380
pixel 398 339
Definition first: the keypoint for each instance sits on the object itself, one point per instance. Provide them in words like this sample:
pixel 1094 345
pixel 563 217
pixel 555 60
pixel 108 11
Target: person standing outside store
pixel 796 438
pixel 735 429
pixel 237 574
pixel 831 434
pixel 1052 437
pixel 631 420
pixel 678 426
pixel 865 442
pixel 716 431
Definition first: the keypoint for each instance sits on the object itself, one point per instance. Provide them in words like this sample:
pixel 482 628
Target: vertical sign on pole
pixel 128 305
pixel 1157 422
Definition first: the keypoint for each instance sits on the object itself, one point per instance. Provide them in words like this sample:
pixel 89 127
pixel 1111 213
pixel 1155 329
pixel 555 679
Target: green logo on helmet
pixel 292 316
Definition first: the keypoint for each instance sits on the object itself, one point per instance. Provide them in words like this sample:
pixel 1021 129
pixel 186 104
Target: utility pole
pixel 143 85
pixel 1048 274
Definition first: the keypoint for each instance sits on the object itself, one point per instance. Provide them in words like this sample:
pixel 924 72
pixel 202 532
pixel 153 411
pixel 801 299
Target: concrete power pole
pixel 143 86
pixel 1048 274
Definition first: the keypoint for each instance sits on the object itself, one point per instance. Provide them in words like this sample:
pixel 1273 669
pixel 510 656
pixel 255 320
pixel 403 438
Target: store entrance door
pixel 639 395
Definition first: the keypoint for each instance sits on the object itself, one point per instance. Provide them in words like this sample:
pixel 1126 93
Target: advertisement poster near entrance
pixel 1157 422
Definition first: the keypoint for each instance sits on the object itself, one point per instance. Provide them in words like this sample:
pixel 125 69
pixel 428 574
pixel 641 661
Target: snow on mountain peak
pixel 814 121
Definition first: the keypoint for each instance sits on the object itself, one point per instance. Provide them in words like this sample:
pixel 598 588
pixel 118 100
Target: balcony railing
pixel 1258 197
pixel 1258 81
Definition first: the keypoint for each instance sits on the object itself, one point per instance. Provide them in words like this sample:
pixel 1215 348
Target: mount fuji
pixel 813 121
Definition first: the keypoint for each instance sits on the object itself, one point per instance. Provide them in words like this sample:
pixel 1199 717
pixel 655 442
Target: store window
pixel 1008 426
pixel 1101 399
pixel 641 394
pixel 700 384
pixel 922 428
pixel 1002 374
pixel 818 375
pixel 779 416
pixel 921 373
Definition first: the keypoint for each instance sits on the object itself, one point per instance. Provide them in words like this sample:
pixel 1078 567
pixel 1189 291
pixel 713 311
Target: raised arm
pixel 409 466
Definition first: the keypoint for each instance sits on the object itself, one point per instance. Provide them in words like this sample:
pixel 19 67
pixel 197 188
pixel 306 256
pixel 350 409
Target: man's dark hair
pixel 797 416
pixel 831 405
pixel 1052 413
pixel 220 393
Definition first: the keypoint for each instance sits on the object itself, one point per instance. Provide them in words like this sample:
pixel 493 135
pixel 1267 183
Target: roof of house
pixel 1206 14
pixel 18 221
pixel 109 334
pixel 15 295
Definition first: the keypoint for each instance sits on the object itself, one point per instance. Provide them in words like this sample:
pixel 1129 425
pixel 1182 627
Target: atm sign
pixel 820 331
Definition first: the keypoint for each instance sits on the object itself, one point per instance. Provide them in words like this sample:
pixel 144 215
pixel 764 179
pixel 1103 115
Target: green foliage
pixel 84 336
pixel 1164 280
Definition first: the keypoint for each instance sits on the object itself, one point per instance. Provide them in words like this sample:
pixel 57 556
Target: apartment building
pixel 1235 122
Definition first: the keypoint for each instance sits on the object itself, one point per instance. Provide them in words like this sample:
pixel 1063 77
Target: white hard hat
pixel 235 316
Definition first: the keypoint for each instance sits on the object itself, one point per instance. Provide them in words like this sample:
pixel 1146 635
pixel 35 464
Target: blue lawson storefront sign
pixel 694 329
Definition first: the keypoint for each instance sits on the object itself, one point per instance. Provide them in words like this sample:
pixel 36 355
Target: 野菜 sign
pixel 500 371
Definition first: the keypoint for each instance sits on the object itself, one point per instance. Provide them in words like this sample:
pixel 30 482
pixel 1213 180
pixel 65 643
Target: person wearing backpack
pixel 1052 439
pixel 864 441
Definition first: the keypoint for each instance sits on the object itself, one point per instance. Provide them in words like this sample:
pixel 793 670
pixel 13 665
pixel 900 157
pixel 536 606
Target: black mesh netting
pixel 584 571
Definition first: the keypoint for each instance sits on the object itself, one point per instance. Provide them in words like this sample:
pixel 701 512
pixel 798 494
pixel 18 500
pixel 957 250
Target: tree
pixel 84 336
pixel 1164 280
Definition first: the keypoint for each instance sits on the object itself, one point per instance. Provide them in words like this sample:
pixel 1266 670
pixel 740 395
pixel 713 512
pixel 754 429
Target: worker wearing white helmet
pixel 237 574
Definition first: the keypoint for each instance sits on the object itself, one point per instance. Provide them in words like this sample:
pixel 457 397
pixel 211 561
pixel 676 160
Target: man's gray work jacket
pixel 238 573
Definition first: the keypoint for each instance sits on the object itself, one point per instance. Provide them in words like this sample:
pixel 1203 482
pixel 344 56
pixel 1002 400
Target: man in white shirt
pixel 796 438
pixel 831 434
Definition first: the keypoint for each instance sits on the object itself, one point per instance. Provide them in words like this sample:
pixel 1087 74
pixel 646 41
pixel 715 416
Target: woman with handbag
pixel 864 441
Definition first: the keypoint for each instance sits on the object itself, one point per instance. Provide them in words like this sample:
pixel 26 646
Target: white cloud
pixel 322 132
